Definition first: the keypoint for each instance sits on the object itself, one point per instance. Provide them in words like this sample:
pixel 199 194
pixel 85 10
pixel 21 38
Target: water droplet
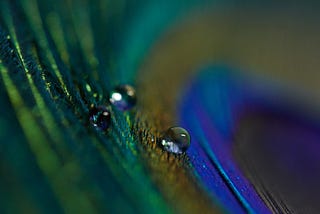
pixel 123 97
pixel 100 117
pixel 176 140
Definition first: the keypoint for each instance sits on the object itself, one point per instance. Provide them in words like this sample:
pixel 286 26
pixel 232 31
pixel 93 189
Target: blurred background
pixel 274 46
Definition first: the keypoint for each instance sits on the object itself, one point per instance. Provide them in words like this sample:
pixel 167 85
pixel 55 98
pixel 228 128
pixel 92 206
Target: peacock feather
pixel 239 76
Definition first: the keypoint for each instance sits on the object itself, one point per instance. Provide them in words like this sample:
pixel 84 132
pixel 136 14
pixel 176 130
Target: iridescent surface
pixel 265 50
pixel 262 147
pixel 207 112
pixel 57 58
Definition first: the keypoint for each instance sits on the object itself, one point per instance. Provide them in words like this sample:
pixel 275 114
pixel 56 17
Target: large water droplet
pixel 176 140
pixel 100 117
pixel 123 97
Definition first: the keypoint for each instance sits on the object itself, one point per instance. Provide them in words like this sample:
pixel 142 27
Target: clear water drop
pixel 100 117
pixel 123 97
pixel 176 140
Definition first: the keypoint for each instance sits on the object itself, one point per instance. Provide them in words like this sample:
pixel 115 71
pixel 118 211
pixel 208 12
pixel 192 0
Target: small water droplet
pixel 100 117
pixel 123 97
pixel 176 140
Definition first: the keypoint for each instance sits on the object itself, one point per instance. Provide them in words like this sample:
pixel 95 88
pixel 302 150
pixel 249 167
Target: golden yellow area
pixel 171 173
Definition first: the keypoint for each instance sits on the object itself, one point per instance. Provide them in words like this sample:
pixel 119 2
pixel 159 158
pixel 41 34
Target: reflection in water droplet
pixel 176 140
pixel 123 97
pixel 100 117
